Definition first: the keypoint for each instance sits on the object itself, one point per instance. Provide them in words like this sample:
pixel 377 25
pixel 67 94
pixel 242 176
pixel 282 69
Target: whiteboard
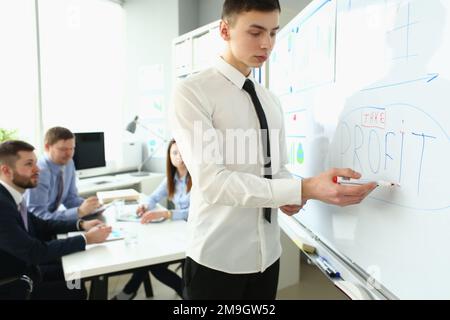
pixel 365 84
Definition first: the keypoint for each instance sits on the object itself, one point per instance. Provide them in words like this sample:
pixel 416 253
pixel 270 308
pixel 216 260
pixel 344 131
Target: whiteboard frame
pixel 349 271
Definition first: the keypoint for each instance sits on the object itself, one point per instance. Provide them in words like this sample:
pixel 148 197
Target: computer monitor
pixel 89 150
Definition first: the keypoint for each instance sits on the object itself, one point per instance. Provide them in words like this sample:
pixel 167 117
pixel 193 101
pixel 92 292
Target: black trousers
pixel 203 283
pixel 54 287
pixel 161 272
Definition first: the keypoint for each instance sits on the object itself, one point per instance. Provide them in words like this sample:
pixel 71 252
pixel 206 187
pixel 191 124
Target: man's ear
pixel 5 170
pixel 224 30
pixel 46 147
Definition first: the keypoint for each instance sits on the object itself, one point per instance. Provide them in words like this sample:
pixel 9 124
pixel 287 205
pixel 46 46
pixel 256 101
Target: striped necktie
pixel 24 213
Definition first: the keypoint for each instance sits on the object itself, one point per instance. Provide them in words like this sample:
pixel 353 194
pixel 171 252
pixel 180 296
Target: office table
pixel 156 243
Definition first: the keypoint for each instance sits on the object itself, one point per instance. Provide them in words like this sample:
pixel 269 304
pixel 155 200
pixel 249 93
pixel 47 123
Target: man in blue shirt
pixel 57 183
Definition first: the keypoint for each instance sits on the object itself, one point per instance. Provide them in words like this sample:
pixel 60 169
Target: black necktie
pixel 250 88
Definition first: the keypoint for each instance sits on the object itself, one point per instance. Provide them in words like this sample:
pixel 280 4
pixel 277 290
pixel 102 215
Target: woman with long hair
pixel 176 187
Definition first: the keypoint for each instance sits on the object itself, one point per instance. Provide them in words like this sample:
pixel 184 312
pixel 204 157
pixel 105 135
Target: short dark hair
pixel 233 7
pixel 53 135
pixel 9 151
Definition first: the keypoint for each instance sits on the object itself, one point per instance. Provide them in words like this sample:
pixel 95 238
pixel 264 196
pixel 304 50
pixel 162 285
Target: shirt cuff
pixel 84 237
pixel 151 205
pixel 71 213
pixel 286 192
pixel 179 214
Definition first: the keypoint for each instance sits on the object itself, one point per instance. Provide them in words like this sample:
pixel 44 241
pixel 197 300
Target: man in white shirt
pixel 234 238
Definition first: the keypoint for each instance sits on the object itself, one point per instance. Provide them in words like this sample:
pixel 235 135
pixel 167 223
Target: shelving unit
pixel 196 50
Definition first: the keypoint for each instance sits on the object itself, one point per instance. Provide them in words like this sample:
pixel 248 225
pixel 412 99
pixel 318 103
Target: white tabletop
pixel 157 243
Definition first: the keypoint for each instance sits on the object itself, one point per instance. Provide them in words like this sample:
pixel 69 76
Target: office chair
pixel 16 288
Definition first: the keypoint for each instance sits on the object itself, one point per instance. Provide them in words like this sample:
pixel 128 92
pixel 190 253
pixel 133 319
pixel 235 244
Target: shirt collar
pixel 17 196
pixel 231 73
pixel 177 178
pixel 55 168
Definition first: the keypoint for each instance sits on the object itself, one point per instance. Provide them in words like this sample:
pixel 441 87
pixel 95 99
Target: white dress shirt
pixel 17 196
pixel 227 229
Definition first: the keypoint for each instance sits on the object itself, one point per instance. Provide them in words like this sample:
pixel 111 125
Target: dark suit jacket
pixel 20 251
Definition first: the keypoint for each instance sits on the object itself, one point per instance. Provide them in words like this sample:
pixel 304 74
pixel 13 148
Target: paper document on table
pixel 125 194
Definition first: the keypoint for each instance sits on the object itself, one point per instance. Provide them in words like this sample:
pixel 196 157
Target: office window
pixel 18 69
pixel 82 58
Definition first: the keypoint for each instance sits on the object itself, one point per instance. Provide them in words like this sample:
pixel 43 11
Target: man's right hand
pixel 97 234
pixel 88 206
pixel 323 188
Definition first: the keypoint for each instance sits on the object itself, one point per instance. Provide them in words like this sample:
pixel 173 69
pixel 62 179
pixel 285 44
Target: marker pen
pixel 349 181
pixel 331 272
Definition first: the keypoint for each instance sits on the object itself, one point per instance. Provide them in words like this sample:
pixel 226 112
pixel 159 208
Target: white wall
pixel 150 28
pixel 210 10
pixel 290 8
pixel 188 15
